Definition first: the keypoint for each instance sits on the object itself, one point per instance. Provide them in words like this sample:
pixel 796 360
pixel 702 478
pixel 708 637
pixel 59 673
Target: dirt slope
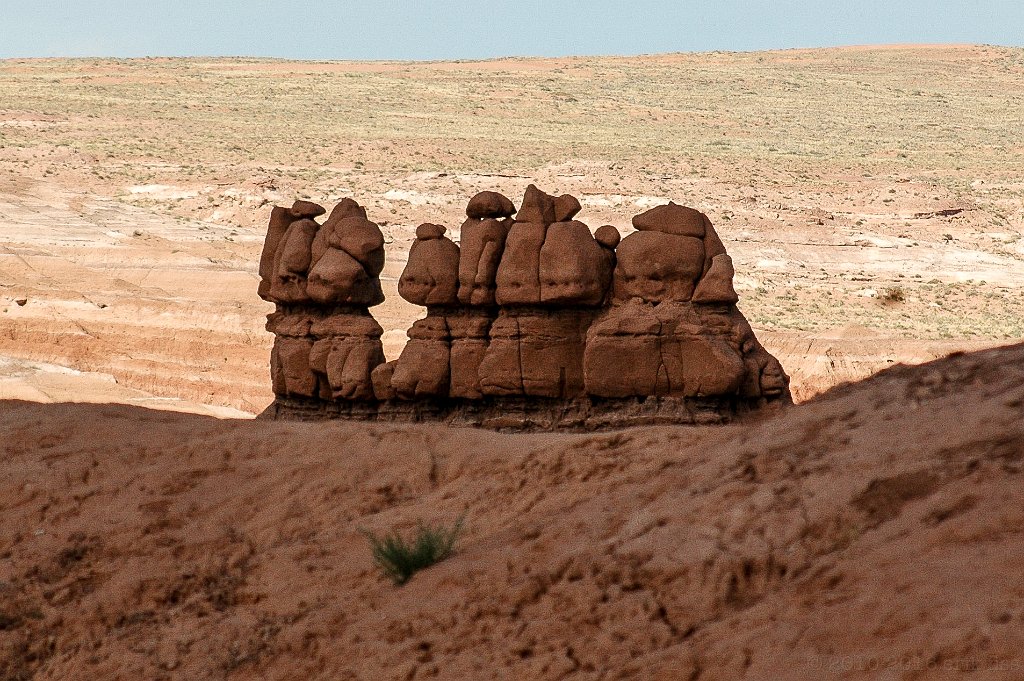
pixel 871 533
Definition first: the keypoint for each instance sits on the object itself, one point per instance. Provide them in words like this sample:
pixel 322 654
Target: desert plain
pixel 872 200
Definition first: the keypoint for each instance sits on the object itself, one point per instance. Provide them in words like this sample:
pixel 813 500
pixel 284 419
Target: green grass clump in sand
pixel 400 559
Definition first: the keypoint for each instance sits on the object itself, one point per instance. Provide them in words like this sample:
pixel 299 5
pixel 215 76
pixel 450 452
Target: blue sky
pixel 462 29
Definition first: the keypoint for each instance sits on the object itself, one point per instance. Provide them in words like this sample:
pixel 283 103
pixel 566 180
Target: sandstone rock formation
pixel 672 251
pixel 536 352
pixel 573 268
pixel 483 241
pixel 431 276
pixel 678 350
pixel 323 279
pixel 532 322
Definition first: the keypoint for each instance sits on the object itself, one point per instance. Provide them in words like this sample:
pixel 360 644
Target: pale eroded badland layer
pixel 871 198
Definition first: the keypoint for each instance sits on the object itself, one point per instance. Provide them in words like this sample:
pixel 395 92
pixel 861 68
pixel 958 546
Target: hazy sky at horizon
pixel 462 29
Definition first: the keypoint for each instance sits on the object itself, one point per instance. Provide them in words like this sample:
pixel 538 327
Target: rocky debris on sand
pixel 531 322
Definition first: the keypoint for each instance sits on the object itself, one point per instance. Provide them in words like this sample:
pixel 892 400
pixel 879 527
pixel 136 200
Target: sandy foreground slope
pixel 872 533
pixel 872 199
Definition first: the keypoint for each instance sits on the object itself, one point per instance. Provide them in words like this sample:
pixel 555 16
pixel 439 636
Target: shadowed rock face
pixel 532 322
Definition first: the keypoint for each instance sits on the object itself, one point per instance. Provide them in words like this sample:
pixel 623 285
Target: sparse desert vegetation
pixel 400 558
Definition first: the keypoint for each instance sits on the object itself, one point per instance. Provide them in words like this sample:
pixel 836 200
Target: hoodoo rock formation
pixel 533 322
pixel 323 279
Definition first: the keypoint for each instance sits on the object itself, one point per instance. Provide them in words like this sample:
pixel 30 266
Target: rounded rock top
pixel 347 208
pixel 567 207
pixel 490 205
pixel 429 230
pixel 672 219
pixel 307 209
pixel 607 236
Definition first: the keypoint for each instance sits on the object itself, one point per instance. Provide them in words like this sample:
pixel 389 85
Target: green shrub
pixel 399 559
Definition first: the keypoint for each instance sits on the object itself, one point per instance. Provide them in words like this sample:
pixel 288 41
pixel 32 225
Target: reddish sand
pixel 872 533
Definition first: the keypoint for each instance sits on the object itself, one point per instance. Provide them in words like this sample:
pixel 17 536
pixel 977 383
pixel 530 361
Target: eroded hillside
pixel 875 530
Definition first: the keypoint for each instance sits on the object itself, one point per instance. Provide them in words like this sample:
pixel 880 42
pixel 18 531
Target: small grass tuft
pixel 893 294
pixel 399 559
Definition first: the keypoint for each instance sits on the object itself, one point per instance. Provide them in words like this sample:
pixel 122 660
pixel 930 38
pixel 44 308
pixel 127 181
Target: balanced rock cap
pixel 537 207
pixel 347 208
pixel 429 230
pixel 607 236
pixel 566 207
pixel 307 209
pixel 490 205
pixel 671 219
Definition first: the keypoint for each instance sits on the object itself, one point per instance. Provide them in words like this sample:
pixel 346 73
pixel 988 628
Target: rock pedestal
pixel 536 352
pixel 531 322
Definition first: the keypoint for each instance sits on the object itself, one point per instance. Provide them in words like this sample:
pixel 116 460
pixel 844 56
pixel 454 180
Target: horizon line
pixel 520 57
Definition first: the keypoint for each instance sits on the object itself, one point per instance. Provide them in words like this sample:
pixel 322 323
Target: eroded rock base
pixel 523 414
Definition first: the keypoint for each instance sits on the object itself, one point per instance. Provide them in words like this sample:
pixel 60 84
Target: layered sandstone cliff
pixel 532 321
